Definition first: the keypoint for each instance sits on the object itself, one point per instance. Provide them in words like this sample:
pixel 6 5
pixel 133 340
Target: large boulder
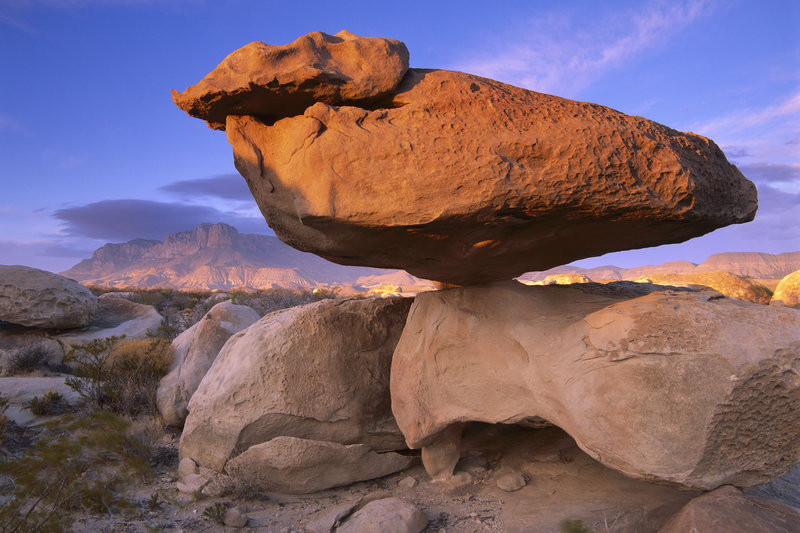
pixel 195 351
pixel 36 298
pixel 318 371
pixel 462 179
pixel 300 466
pixel 272 82
pixel 688 388
pixel 725 283
pixel 115 317
pixel 788 291
pixel 727 509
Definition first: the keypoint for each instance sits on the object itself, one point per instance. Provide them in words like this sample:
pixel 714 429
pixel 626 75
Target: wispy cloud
pixel 558 55
pixel 744 119
pixel 224 186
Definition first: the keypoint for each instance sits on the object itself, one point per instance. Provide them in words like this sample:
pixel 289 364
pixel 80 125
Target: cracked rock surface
pixel 687 388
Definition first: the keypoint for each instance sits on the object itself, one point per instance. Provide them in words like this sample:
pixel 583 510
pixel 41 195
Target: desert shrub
pixel 573 526
pixel 27 358
pixel 51 403
pixel 216 512
pixel 269 300
pixel 323 293
pixel 121 375
pixel 81 466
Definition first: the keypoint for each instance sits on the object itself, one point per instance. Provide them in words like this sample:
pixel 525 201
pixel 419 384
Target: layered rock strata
pixel 318 372
pixel 465 180
pixel 687 388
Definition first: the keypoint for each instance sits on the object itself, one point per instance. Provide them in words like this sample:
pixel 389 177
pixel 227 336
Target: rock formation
pixel 36 298
pixel 725 283
pixel 195 351
pixel 115 317
pixel 477 180
pixel 318 372
pixel 788 291
pixel 681 387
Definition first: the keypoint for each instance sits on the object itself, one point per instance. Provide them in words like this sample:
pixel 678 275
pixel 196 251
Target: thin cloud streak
pixel 223 186
pixel 554 56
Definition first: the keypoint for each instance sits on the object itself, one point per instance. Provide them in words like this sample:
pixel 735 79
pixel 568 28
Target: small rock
pixel 235 518
pixel 186 467
pixel 191 483
pixel 475 463
pixel 389 514
pixel 407 482
pixel 510 481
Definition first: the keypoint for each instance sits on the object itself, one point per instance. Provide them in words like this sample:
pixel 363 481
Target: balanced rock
pixel 725 283
pixel 272 82
pixel 301 466
pixel 318 371
pixel 788 291
pixel 36 298
pixel 688 388
pixel 195 351
pixel 462 179
pixel 727 509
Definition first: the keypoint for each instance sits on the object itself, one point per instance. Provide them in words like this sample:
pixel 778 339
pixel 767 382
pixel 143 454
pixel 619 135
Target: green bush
pixel 51 403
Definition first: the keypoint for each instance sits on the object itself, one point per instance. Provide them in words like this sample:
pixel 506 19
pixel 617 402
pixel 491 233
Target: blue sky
pixel 92 149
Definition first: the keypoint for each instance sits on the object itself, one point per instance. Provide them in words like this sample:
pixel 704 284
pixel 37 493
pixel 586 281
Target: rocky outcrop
pixel 318 371
pixel 723 282
pixel 19 391
pixel 209 257
pixel 301 466
pixel 788 291
pixel 272 82
pixel 727 509
pixel 36 298
pixel 195 351
pixel 680 387
pixel 115 317
pixel 386 514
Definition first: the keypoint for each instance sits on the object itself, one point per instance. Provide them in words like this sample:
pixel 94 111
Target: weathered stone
pixel 788 291
pixel 727 509
pixel 681 387
pixel 235 518
pixel 19 391
pixel 389 514
pixel 465 180
pixel 22 348
pixel 725 283
pixel 785 489
pixel 195 351
pixel 510 481
pixel 300 466
pixel 273 82
pixel 115 317
pixel 191 483
pixel 36 298
pixel 318 371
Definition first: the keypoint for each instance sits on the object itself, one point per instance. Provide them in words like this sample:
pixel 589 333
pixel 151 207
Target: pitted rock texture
pixel 36 298
pixel 195 351
pixel 273 82
pixel 300 466
pixel 688 388
pixel 788 291
pixel 465 180
pixel 318 371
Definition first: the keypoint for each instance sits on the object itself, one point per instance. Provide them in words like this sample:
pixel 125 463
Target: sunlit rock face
pixel 465 180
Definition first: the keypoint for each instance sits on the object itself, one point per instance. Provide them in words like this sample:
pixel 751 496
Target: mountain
pixel 216 256
pixel 746 264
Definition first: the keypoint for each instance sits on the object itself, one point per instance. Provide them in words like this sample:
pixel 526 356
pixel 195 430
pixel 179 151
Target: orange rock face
pixel 273 82
pixel 465 180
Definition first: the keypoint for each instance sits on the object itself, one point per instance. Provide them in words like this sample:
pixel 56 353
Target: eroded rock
pixel 788 291
pixel 725 283
pixel 388 514
pixel 318 371
pixel 195 351
pixel 36 298
pixel 115 317
pixel 272 82
pixel 682 387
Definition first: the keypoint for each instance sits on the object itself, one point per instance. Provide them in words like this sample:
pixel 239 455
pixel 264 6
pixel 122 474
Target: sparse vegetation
pixel 120 375
pixel 269 300
pixel 80 466
pixel 216 512
pixel 573 526
pixel 51 403
pixel 27 358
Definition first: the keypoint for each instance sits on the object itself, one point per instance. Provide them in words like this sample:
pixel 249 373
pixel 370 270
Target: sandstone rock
pixel 40 299
pixel 565 279
pixel 186 467
pixel 125 295
pixel 272 82
pixel 21 390
pixel 788 290
pixel 679 387
pixel 389 515
pixel 727 509
pixel 318 371
pixel 195 351
pixel 300 466
pixel 785 489
pixel 27 349
pixel 408 482
pixel 510 481
pixel 191 483
pixel 725 283
pixel 115 317
pixel 235 518
pixel 479 180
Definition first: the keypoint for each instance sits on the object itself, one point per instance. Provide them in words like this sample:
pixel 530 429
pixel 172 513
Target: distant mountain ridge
pixel 217 256
pixel 745 264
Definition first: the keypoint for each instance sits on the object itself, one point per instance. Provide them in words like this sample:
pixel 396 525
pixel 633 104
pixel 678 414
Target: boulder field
pixel 354 156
